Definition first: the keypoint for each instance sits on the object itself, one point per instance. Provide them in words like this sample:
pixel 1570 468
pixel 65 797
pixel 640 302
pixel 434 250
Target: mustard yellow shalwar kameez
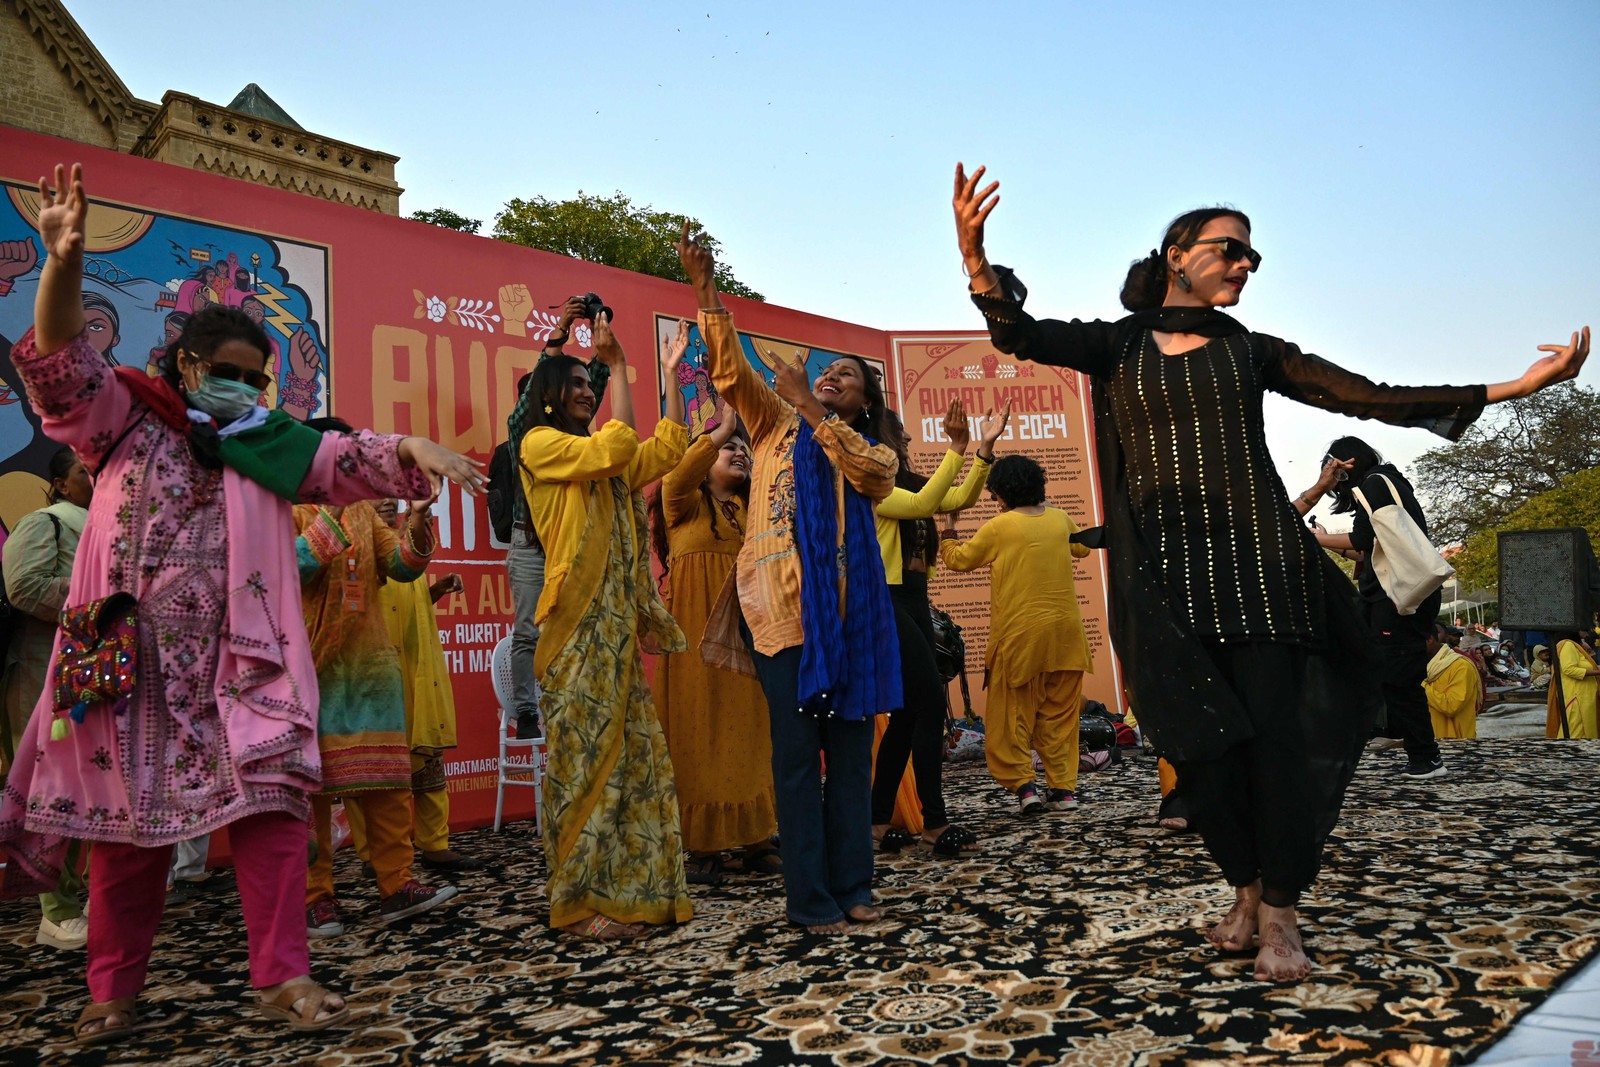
pixel 1037 654
pixel 1578 689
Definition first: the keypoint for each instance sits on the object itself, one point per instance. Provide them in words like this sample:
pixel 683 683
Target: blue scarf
pixel 849 665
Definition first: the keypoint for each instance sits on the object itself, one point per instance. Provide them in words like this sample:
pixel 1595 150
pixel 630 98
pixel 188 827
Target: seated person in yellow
pixel 1574 685
pixel 909 544
pixel 611 831
pixel 1454 695
pixel 1037 652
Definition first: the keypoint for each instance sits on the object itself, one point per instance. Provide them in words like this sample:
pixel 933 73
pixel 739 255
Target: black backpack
pixel 10 616
pixel 504 482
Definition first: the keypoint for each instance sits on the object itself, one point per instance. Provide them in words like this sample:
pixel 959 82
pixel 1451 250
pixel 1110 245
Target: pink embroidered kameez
pixel 222 723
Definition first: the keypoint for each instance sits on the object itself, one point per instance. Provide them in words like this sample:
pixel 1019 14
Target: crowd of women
pixel 226 566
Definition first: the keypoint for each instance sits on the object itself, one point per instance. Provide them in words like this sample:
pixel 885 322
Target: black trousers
pixel 1255 806
pixel 1401 641
pixel 916 730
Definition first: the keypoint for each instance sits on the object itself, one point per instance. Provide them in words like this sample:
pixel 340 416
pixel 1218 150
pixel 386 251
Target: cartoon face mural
pixel 144 275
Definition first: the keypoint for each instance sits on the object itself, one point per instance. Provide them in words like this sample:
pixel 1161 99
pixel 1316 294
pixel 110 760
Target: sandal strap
pixel 307 989
pixel 958 835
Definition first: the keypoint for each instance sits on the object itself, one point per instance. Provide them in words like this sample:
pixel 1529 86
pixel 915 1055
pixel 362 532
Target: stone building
pixel 54 81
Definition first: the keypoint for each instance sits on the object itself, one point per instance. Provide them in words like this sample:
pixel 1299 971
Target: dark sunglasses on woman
pixel 1233 250
pixel 232 372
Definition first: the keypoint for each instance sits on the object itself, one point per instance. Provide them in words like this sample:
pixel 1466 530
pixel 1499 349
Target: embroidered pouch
pixel 97 661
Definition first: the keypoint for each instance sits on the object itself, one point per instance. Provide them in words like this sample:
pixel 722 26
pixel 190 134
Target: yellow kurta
pixel 1454 697
pixel 611 828
pixel 715 719
pixel 1579 690
pixel 1034 625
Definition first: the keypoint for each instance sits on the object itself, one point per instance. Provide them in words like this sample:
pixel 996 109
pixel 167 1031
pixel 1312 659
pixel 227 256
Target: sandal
pixel 954 843
pixel 894 839
pixel 601 928
pixel 282 1006
pixel 703 869
pixel 762 860
pixel 102 1011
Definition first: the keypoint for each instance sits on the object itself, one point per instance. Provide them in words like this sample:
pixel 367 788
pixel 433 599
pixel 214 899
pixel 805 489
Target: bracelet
pixel 301 392
pixel 971 273
pixel 412 544
pixel 949 535
pixel 987 459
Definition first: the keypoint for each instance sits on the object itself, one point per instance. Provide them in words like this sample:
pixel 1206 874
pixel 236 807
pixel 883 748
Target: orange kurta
pixel 715 719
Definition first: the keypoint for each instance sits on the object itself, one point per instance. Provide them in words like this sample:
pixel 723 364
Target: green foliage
pixel 443 216
pixel 1516 451
pixel 611 230
pixel 1575 501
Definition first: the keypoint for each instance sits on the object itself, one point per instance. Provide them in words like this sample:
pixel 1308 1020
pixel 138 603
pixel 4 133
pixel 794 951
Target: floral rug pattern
pixel 1445 910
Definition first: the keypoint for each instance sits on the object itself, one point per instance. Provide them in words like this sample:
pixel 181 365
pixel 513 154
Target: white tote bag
pixel 1406 564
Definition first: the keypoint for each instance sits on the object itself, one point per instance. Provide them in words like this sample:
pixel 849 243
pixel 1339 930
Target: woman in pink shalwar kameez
pixel 221 726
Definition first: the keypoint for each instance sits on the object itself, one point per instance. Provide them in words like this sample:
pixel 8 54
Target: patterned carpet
pixel 1445 910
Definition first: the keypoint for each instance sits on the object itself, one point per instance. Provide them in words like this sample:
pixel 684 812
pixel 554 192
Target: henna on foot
pixel 1282 957
pixel 1237 930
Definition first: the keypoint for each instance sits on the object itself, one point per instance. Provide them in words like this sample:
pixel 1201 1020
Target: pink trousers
pixel 128 890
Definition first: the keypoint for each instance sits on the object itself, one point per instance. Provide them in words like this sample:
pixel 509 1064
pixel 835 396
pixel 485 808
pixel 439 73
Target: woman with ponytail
pixel 817 613
pixel 1245 649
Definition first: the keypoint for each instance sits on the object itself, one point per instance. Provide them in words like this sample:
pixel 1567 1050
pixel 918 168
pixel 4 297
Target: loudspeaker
pixel 1548 580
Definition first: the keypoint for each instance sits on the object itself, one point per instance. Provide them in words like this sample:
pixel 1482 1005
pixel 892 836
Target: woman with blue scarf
pixel 816 608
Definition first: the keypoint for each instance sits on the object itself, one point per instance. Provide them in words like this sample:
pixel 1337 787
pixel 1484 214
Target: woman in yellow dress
pixel 1037 654
pixel 611 830
pixel 715 719
pixel 1574 685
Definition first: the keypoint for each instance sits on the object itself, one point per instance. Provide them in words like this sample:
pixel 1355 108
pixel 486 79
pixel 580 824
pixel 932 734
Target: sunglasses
pixel 1343 475
pixel 231 372
pixel 1233 250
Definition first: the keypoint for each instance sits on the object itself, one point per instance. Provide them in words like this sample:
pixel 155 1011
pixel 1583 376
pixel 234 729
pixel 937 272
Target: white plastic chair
pixel 512 761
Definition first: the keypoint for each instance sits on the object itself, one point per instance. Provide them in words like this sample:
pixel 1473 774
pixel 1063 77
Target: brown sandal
pixel 601 928
pixel 282 1006
pixel 102 1011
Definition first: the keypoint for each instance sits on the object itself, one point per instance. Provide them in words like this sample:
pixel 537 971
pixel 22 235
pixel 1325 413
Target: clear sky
pixel 1421 176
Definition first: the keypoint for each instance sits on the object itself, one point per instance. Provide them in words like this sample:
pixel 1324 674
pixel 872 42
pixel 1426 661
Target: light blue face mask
pixel 223 400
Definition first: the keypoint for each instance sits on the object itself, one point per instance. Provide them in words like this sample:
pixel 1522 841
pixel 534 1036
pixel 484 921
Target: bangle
pixel 987 459
pixel 1307 501
pixel 949 535
pixel 974 273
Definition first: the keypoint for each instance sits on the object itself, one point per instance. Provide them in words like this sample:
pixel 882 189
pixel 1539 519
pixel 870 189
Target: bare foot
pixel 1174 825
pixel 865 913
pixel 840 927
pixel 1237 930
pixel 1282 957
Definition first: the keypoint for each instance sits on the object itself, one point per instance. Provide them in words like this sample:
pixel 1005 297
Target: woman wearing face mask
pixel 1246 654
pixel 715 719
pixel 38 569
pixel 611 828
pixel 815 603
pixel 218 724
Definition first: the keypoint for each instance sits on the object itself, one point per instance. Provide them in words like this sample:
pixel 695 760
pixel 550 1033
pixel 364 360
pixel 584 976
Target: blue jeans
pixel 825 826
pixel 525 569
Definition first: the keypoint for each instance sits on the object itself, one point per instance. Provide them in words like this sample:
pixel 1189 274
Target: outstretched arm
pixel 672 351
pixel 608 353
pixel 730 371
pixel 1561 365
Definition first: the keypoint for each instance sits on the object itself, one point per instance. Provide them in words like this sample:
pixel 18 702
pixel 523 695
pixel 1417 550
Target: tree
pixel 1523 448
pixel 443 216
pixel 1575 501
pixel 611 230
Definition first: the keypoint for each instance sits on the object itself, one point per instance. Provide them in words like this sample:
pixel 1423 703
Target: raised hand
pixel 1561 365
pixel 607 349
pixel 304 359
pixel 516 307
pixel 700 267
pixel 673 350
pixel 972 208
pixel 437 463
pixel 792 382
pixel 956 427
pixel 63 214
pixel 993 429
pixel 727 422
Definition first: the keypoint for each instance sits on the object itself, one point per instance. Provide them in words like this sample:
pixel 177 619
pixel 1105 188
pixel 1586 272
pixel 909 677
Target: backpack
pixel 10 616
pixel 503 483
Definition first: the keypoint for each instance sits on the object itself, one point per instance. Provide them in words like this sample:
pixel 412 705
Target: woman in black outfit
pixel 1243 645
pixel 1401 639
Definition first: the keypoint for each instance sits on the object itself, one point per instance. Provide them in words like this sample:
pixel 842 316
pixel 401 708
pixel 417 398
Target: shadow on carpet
pixel 1445 910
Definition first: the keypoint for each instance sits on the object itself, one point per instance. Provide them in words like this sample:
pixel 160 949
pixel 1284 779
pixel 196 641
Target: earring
pixel 548 410
pixel 1183 280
